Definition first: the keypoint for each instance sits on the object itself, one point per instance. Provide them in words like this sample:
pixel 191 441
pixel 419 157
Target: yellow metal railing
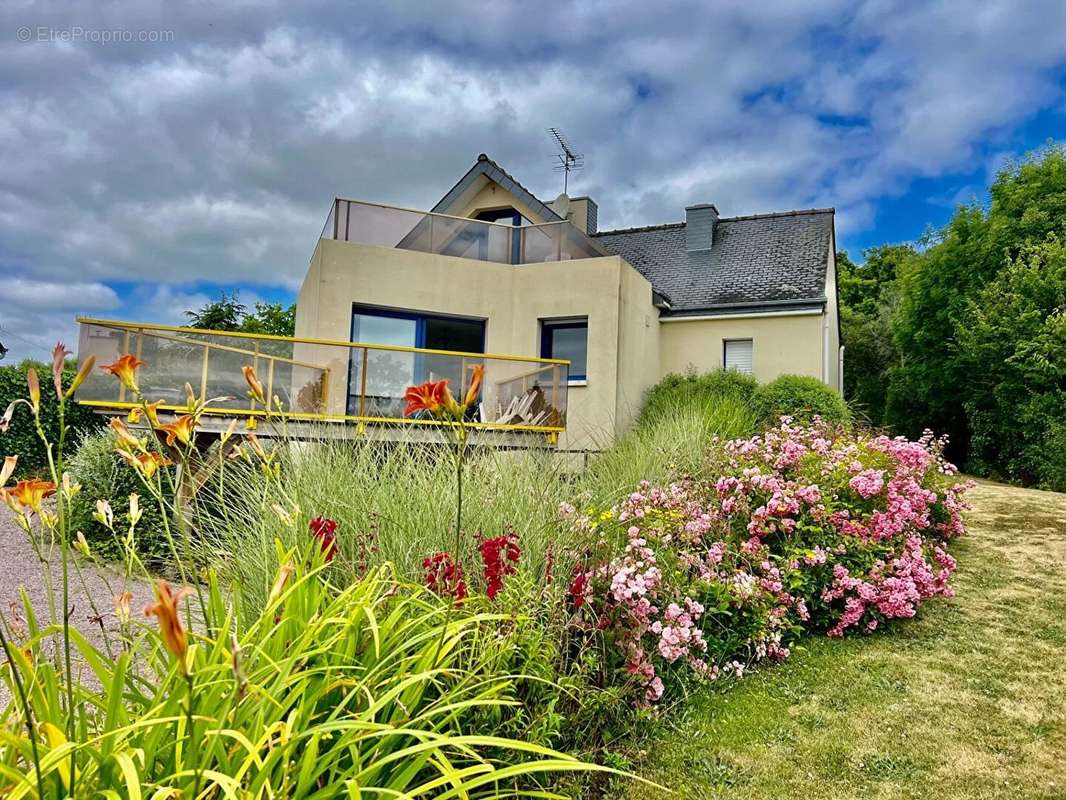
pixel 317 379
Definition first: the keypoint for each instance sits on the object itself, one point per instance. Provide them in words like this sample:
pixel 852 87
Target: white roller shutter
pixel 737 355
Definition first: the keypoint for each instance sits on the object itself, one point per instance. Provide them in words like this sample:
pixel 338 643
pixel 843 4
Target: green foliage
pixel 21 438
pixel 670 443
pixel 930 387
pixel 224 314
pixel 1012 344
pixel 868 295
pixel 105 476
pixel 701 391
pixel 371 684
pixel 227 313
pixel 800 397
pixel 271 318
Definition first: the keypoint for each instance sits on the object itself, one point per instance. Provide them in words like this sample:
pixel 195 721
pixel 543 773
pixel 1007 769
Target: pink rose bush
pixel 805 529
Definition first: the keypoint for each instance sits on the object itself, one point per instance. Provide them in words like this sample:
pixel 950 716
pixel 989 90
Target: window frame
pixel 418 317
pixel 547 326
pixel 734 340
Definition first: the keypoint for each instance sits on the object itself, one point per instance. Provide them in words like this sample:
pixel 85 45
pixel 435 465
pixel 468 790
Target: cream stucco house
pixel 493 270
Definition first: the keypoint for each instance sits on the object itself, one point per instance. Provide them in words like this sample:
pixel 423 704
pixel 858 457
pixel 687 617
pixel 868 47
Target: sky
pixel 153 154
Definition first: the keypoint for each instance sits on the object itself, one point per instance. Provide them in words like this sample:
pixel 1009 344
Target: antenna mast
pixel 569 161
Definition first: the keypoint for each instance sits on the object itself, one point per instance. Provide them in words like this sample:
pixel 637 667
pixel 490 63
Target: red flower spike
pixel 325 530
pixel 444 576
pixel 499 554
pixel 578 588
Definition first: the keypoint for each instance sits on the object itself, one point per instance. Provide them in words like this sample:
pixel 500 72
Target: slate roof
pixel 762 262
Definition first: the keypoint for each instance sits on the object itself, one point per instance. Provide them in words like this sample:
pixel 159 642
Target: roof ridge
pixel 640 228
pixel 518 183
pixel 772 214
pixel 799 212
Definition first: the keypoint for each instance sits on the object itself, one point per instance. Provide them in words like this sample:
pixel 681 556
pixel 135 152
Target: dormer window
pixel 506 216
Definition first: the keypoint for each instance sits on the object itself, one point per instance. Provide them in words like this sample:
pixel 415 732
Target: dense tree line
pixel 965 332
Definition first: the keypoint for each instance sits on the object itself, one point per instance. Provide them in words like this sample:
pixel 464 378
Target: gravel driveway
pixel 21 568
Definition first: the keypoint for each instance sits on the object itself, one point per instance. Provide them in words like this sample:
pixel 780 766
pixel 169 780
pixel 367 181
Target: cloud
pixel 45 295
pixel 213 158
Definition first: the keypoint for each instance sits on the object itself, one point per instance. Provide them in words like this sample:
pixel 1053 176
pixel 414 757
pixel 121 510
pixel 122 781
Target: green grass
pixel 967 701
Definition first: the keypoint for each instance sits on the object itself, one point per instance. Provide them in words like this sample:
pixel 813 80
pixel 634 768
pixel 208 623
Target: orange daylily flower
pixel 123 611
pixel 134 417
pixel 28 494
pixel 126 440
pixel 83 373
pixel 147 463
pixel 254 386
pixel 152 409
pixel 181 429
pixel 430 396
pixel 125 369
pixel 475 386
pixel 8 469
pixel 284 573
pixel 165 609
pixel 35 389
pixel 59 357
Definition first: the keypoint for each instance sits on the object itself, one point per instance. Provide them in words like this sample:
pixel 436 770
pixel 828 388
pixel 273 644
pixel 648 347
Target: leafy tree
pixel 227 313
pixel 271 318
pixel 868 296
pixel 1012 343
pixel 929 387
pixel 224 314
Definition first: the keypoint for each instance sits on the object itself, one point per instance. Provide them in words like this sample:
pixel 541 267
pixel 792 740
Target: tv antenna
pixel 569 161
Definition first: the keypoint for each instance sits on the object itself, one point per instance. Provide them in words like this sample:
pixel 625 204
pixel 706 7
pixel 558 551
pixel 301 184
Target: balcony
pixel 427 232
pixel 317 380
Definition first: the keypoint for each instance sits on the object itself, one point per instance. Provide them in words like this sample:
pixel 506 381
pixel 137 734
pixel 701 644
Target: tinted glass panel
pixel 463 335
pixel 570 341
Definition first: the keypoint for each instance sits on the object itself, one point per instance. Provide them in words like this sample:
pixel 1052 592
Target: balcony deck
pixel 441 234
pixel 351 389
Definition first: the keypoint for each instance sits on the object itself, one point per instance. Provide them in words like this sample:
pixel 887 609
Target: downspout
pixel 825 347
pixel 840 370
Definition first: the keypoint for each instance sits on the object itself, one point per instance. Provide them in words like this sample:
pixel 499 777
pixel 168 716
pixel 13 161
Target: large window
pixel 390 372
pixel 567 338
pixel 736 354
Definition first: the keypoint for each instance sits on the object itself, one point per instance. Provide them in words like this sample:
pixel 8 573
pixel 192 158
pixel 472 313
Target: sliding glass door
pixel 390 372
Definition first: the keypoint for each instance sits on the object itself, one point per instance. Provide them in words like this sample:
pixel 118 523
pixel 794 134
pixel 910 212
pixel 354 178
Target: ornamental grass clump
pixel 324 687
pixel 805 528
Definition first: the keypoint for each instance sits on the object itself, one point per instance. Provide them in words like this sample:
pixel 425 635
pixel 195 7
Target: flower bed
pixel 806 528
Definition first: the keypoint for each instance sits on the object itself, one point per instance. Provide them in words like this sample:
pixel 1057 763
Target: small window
pixel 737 355
pixel 566 339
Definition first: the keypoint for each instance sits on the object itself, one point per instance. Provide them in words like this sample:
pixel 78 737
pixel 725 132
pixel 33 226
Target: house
pixel 492 269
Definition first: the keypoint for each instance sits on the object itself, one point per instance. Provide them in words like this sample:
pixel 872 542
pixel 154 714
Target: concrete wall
pixel 780 344
pixel 623 346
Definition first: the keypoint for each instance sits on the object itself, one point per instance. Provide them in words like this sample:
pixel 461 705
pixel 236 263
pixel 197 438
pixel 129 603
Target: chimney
pixel 582 212
pixel 700 221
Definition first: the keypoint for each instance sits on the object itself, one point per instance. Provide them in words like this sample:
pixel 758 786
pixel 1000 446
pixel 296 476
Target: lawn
pixel 967 701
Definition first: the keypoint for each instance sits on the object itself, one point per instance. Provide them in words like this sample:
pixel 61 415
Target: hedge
pixel 21 438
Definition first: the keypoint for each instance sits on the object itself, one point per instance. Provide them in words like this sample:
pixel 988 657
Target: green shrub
pixel 21 438
pixel 670 442
pixel 700 390
pixel 105 476
pixel 800 397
